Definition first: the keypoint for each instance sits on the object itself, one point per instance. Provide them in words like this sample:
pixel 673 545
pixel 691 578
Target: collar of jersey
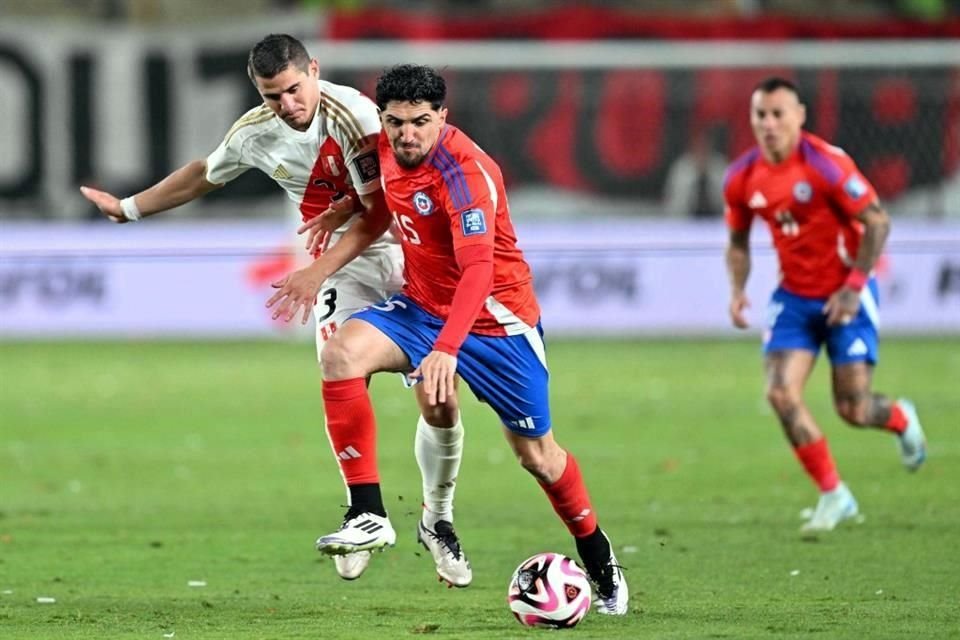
pixel 789 160
pixel 310 133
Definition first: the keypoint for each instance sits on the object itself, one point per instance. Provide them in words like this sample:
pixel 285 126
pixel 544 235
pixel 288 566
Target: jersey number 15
pixel 405 225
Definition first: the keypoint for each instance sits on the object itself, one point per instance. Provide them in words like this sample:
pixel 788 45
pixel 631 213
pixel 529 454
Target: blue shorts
pixel 507 372
pixel 797 322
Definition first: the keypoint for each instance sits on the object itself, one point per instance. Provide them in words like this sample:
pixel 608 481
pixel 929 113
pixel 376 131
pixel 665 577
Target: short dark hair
pixel 275 53
pixel 411 83
pixel 771 84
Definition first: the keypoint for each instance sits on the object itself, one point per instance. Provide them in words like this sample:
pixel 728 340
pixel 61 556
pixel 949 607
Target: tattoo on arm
pixel 876 229
pixel 738 259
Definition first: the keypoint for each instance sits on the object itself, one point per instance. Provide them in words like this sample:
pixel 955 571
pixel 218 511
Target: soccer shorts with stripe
pixel 798 322
pixel 507 372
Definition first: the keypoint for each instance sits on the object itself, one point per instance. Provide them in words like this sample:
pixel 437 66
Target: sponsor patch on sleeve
pixel 855 187
pixel 367 166
pixel 473 222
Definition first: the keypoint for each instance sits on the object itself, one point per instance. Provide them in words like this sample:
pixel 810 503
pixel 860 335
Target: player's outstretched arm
pixel 738 270
pixel 187 183
pixel 297 292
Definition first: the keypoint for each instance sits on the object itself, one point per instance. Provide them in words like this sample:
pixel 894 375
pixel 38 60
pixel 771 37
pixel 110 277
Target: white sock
pixel 438 453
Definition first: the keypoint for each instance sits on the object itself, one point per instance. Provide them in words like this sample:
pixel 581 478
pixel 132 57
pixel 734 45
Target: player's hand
pixel 318 229
pixel 297 294
pixel 108 203
pixel 437 371
pixel 739 303
pixel 842 307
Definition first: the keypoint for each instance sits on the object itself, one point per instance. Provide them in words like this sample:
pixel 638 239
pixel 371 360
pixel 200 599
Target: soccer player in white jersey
pixel 318 141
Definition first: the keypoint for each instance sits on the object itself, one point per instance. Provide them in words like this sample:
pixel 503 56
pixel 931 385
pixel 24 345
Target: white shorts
pixel 369 279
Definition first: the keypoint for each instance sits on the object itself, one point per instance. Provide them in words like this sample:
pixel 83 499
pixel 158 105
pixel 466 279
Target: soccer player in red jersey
pixel 318 141
pixel 828 229
pixel 468 308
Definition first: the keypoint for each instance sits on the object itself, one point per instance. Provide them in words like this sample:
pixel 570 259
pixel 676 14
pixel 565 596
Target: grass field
pixel 128 470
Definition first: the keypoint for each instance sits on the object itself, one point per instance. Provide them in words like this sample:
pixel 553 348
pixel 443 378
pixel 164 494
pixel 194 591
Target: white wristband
pixel 130 210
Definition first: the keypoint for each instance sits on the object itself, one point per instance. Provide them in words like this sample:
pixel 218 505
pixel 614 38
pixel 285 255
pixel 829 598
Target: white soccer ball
pixel 549 590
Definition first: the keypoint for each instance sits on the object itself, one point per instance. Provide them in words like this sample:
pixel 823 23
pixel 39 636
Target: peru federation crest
pixel 422 203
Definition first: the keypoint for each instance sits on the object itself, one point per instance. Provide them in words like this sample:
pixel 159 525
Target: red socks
pixel 816 459
pixel 352 429
pixel 570 500
pixel 897 421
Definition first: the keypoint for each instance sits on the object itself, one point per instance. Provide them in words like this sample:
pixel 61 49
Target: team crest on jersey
pixel 473 222
pixel 422 203
pixel 332 166
pixel 855 187
pixel 802 192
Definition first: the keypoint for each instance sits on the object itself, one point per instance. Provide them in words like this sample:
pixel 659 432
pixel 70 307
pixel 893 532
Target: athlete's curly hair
pixel 411 83
pixel 275 53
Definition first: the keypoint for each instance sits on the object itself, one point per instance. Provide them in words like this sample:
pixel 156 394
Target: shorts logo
pixel 523 424
pixel 855 187
pixel 473 222
pixel 422 203
pixel 367 166
pixel 802 192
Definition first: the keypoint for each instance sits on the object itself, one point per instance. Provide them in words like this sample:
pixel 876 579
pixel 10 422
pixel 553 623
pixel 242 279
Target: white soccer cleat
pixel 443 544
pixel 359 532
pixel 352 565
pixel 833 508
pixel 611 595
pixel 913 444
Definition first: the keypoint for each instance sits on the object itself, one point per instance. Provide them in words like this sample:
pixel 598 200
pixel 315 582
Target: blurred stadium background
pixel 154 431
pixel 612 122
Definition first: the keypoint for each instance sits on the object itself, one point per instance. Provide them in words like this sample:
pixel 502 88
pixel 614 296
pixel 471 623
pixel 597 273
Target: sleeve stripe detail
pixel 740 164
pixel 452 174
pixel 822 164
pixel 260 115
pixel 343 116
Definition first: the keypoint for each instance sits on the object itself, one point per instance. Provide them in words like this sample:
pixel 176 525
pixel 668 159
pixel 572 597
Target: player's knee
pixel 545 464
pixel 536 465
pixel 783 399
pixel 442 416
pixel 339 359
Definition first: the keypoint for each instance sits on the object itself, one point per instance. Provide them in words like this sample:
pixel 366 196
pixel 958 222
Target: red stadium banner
pixel 598 23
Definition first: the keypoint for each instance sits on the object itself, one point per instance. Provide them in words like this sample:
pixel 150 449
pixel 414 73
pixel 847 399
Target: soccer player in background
pixel 468 307
pixel 318 141
pixel 828 229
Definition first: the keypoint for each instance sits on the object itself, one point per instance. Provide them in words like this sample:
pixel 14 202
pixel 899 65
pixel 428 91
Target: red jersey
pixel 810 202
pixel 455 199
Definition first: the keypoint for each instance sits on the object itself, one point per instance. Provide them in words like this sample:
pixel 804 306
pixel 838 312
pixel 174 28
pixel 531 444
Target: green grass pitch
pixel 129 470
